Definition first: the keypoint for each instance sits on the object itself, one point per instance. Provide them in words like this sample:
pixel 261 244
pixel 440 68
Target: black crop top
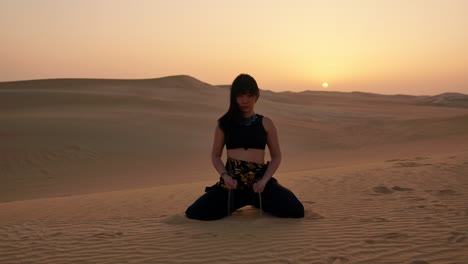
pixel 248 134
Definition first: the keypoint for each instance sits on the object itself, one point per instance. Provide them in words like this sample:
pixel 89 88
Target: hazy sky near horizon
pixel 381 46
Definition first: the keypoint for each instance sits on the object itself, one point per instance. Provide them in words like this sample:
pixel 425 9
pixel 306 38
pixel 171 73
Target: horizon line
pixel 216 85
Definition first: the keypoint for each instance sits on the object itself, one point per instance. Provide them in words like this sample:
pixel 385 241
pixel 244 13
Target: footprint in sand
pixel 412 207
pixel 417 199
pixel 443 192
pixel 457 237
pixel 410 164
pixel 401 189
pixel 382 189
pixel 447 192
pixel 337 260
pixel 420 158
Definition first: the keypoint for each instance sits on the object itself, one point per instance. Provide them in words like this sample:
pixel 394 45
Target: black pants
pixel 276 199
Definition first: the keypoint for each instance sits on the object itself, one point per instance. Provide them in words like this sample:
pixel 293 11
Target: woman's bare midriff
pixel 252 155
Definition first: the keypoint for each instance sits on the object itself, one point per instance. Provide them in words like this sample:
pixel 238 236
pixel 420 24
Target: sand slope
pixel 403 210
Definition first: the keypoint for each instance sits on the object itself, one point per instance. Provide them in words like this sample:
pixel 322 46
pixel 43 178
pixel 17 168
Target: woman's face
pixel 246 102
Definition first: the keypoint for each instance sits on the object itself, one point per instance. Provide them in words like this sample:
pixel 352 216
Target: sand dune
pixel 146 128
pixel 449 99
pixel 101 171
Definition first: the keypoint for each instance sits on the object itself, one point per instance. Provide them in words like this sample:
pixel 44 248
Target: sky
pixel 417 47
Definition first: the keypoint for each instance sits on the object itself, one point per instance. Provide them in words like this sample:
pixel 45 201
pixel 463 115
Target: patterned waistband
pixel 245 172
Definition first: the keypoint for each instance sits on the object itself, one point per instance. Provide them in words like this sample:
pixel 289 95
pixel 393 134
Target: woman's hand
pixel 230 182
pixel 259 186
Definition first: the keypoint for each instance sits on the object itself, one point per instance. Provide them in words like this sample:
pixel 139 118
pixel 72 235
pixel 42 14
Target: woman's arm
pixel 275 153
pixel 216 153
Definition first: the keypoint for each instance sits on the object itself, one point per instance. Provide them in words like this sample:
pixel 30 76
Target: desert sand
pixel 101 171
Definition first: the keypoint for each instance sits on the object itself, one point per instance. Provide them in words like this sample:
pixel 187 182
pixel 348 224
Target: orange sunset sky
pixel 383 46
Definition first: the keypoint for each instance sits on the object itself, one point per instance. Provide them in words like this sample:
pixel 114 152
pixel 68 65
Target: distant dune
pixel 449 99
pixel 179 81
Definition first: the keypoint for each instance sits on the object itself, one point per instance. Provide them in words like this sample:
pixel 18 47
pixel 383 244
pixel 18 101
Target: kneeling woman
pixel 245 179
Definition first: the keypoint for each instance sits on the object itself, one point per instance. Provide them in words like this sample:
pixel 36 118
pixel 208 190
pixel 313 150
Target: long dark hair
pixel 243 84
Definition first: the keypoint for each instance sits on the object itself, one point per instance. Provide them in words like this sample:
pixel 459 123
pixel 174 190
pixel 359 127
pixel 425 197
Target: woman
pixel 245 179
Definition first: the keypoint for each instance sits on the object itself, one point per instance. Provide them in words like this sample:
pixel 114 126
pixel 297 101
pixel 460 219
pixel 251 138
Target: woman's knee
pixel 210 206
pixel 288 209
pixel 201 214
pixel 283 203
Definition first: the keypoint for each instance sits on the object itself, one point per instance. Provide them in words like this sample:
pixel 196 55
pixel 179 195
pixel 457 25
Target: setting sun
pixel 325 85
